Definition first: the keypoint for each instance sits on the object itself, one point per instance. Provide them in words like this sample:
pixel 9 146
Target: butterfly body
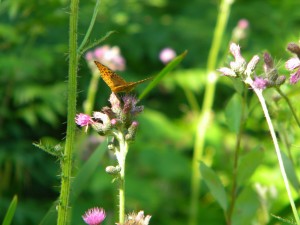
pixel 114 81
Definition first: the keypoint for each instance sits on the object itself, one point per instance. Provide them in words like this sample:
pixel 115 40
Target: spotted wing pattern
pixel 114 81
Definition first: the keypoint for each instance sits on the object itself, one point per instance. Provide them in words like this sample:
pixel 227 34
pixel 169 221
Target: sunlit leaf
pixel 215 186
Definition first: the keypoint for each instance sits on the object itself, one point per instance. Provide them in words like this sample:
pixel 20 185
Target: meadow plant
pixel 246 72
pixel 117 122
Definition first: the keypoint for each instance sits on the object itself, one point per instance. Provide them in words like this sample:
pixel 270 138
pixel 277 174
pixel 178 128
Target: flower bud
pixel 269 64
pixel 113 170
pixel 260 83
pixel 252 65
pixel 294 48
pixel 115 103
pixel 131 131
pixel 227 72
pixel 280 80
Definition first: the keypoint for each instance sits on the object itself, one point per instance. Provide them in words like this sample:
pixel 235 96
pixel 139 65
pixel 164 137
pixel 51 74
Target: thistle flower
pixel 260 83
pixel 293 64
pixel 136 219
pixel 83 120
pixel 166 55
pixel 109 56
pixel 94 216
pixel 120 115
pixel 240 31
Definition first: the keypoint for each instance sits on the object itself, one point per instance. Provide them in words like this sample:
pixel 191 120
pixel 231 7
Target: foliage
pixel 34 43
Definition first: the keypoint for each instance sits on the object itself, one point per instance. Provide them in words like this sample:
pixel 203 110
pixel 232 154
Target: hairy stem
pixel 121 156
pixel 66 161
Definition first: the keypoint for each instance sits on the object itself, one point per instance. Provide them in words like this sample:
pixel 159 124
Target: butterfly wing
pixel 129 86
pixel 112 79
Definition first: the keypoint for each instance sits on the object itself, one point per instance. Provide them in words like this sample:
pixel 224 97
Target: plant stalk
pixel 66 160
pixel 277 148
pixel 205 115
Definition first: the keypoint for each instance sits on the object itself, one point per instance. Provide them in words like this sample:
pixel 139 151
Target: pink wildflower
pixel 260 83
pixel 292 64
pixel 166 55
pixel 83 120
pixel 109 56
pixel 94 216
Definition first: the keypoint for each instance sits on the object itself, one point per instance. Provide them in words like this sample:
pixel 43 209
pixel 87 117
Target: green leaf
pixel 290 171
pixel 233 113
pixel 11 211
pixel 55 150
pixel 162 73
pixel 80 181
pixel 248 164
pixel 245 208
pixel 215 186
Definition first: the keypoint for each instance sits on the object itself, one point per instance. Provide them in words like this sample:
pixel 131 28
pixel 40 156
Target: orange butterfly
pixel 115 82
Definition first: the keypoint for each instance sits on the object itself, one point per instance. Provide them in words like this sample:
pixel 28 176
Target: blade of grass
pixel 11 211
pixel 162 73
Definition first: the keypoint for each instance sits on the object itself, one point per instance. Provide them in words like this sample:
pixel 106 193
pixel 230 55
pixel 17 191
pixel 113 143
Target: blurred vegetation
pixel 33 68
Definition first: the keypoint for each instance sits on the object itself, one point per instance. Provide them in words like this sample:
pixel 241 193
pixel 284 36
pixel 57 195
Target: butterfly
pixel 114 81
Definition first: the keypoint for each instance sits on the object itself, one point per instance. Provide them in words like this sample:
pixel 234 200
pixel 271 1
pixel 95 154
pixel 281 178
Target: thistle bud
pixel 252 65
pixel 113 170
pixel 294 48
pixel 280 80
pixel 131 131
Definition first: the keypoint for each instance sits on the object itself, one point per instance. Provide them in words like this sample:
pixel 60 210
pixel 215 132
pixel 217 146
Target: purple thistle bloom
pixel 260 83
pixel 292 64
pixel 83 120
pixel 94 216
pixel 295 77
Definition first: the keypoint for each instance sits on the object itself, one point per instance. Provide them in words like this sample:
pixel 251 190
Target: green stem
pixel 277 149
pixel 88 33
pixel 204 118
pixel 121 156
pixel 289 104
pixel 191 98
pixel 66 161
pixel 236 160
pixel 92 90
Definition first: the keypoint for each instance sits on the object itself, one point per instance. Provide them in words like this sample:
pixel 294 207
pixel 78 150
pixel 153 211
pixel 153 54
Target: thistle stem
pixel 277 148
pixel 66 160
pixel 121 157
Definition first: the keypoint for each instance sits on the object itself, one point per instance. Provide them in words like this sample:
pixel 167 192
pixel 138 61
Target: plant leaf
pixel 233 113
pixel 246 206
pixel 290 171
pixel 162 73
pixel 11 211
pixel 215 186
pixel 248 164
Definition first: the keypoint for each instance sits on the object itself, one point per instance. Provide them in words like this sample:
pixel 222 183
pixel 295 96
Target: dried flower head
pixel 136 219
